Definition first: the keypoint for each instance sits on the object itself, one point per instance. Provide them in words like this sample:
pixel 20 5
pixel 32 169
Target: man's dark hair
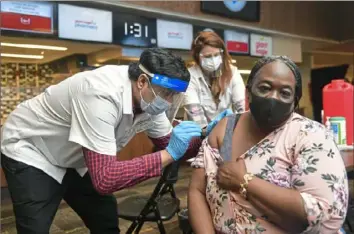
pixel 162 62
pixel 288 62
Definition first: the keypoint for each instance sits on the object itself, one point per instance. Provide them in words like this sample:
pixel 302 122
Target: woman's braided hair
pixel 288 62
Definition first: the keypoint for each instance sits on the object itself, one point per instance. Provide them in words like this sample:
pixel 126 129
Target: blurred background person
pixel 216 85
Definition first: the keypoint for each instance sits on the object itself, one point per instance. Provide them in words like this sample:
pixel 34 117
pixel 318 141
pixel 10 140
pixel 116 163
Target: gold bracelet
pixel 243 186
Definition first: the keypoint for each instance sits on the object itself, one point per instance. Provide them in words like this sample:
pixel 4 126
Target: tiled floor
pixel 66 220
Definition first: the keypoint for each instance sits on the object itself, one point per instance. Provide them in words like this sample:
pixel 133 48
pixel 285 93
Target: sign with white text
pixel 174 35
pixel 34 17
pixel 82 23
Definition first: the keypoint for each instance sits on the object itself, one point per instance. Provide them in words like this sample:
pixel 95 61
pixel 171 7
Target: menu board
pixel 174 35
pixel 33 17
pixel 134 30
pixel 82 23
pixel 261 45
pixel 236 42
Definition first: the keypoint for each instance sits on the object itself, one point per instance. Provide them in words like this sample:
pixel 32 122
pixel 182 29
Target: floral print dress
pixel 301 155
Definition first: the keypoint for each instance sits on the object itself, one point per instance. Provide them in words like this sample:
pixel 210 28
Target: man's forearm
pixel 288 214
pixel 109 175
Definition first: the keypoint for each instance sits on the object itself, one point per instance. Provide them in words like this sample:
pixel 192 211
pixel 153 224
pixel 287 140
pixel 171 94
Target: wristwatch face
pixel 247 177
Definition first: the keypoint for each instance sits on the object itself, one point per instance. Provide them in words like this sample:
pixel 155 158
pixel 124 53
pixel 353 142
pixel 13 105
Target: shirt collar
pixel 196 72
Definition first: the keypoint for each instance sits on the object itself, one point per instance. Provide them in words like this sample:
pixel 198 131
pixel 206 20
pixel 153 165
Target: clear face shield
pixel 176 104
pixel 170 89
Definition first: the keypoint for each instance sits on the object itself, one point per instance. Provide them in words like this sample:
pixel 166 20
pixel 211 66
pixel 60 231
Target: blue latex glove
pixel 181 136
pixel 216 120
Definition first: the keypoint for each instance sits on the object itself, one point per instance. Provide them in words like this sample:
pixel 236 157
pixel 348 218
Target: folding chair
pixel 161 206
pixel 183 220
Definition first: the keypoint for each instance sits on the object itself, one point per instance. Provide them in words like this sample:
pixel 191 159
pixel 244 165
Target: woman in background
pixel 215 85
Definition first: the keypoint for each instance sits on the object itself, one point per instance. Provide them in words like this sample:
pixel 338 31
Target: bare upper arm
pixel 216 136
pixel 198 180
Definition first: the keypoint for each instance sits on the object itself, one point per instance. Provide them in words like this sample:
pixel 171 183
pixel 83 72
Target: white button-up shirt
pixel 91 109
pixel 198 99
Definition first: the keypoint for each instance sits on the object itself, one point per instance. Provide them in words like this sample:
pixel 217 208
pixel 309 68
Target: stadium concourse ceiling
pixel 44 50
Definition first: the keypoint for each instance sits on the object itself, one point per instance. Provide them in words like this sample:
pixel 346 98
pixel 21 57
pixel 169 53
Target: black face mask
pixel 269 113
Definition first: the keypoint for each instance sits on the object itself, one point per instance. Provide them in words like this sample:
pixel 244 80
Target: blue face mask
pixel 156 107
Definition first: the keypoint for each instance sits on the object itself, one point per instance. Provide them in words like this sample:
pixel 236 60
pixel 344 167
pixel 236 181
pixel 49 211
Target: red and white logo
pixel 27 16
pixel 236 42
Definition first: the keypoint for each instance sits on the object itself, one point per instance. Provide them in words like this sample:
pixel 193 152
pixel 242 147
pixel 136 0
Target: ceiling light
pixel 28 56
pixel 247 72
pixel 31 46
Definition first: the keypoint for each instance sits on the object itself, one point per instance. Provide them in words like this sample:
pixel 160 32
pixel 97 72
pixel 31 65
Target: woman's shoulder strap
pixel 225 149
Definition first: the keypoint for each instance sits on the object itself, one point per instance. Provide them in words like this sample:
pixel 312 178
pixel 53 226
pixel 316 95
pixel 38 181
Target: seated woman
pixel 269 170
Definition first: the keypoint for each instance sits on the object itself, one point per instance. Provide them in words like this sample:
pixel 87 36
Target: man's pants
pixel 36 197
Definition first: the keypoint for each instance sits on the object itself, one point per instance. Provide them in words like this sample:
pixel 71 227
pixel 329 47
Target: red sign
pixel 27 16
pixel 236 42
pixel 26 22
pixel 238 47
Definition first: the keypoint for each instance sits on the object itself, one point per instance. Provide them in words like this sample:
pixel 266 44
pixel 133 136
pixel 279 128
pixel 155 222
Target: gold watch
pixel 243 186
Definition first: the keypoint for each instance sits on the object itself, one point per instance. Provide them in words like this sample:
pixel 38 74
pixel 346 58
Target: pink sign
pixel 261 45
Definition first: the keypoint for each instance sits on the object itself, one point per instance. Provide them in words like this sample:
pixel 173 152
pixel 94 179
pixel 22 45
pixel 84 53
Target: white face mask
pixel 211 64
pixel 156 107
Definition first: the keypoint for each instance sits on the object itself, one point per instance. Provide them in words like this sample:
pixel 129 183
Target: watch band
pixel 244 186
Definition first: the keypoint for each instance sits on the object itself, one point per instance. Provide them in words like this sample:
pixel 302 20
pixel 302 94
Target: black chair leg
pixel 138 228
pixel 159 221
pixel 161 227
pixel 132 227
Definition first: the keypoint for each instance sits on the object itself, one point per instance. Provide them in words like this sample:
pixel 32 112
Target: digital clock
pixel 134 30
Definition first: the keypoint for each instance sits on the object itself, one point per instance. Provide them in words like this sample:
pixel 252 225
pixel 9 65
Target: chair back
pixel 170 173
pixel 167 180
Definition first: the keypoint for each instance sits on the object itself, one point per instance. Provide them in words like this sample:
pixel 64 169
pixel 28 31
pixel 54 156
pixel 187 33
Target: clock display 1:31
pixel 136 30
pixel 132 30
